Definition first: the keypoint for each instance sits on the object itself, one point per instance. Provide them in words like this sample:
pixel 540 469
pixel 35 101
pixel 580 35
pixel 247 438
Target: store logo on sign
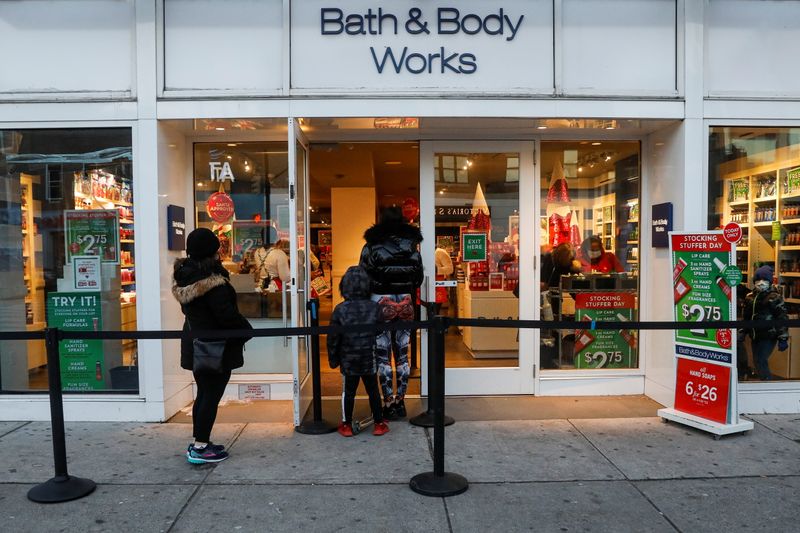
pixel 220 171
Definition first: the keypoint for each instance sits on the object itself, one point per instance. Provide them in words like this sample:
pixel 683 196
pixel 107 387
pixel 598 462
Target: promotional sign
pixel 732 232
pixel 410 209
pixel 92 232
pixel 247 236
pixel 220 207
pixel 605 348
pixel 81 360
pixel 702 389
pixel 86 273
pixel 176 228
pixel 704 279
pixel 473 247
pixel 662 224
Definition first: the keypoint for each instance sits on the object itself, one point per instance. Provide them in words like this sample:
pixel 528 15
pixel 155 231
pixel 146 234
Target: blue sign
pixel 176 228
pixel 702 353
pixel 662 225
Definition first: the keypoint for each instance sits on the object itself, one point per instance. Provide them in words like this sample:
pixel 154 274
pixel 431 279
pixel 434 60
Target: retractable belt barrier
pixel 63 487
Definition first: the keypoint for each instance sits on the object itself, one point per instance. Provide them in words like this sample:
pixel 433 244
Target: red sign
pixel 702 389
pixel 732 232
pixel 700 242
pixel 220 207
pixel 410 209
pixel 724 338
pixel 605 300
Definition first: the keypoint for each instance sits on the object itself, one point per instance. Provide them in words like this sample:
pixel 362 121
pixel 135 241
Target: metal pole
pixel 316 426
pixel 438 483
pixel 425 418
pixel 62 487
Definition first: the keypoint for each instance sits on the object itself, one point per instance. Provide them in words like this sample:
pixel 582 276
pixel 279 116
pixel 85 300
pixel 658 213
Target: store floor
pixel 460 408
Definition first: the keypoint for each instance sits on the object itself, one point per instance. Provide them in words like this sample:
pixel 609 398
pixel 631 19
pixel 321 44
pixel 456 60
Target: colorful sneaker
pixel 381 428
pixel 345 429
pixel 205 455
pixel 216 447
pixel 400 409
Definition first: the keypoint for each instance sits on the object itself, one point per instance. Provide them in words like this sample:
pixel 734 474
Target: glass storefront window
pixel 68 258
pixel 754 180
pixel 477 244
pixel 589 228
pixel 242 195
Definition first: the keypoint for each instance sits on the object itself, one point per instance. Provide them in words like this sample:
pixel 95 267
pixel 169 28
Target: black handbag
pixel 208 356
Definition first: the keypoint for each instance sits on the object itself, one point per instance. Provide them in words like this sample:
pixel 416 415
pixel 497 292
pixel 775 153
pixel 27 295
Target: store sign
pixel 247 236
pixel 410 44
pixel 606 348
pixel 82 365
pixel 176 228
pixel 702 389
pixel 220 207
pixel 220 171
pixel 92 232
pixel 86 273
pixel 473 247
pixel 662 225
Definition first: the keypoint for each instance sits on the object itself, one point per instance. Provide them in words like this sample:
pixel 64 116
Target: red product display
pixel 702 389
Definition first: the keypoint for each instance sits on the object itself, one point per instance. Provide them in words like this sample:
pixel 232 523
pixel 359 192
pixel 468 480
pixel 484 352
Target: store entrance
pixel 349 183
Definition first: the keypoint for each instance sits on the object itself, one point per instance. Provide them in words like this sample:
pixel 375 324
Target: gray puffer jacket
pixel 354 352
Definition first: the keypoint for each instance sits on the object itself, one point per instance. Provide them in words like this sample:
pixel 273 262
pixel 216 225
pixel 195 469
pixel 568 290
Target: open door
pixel 299 289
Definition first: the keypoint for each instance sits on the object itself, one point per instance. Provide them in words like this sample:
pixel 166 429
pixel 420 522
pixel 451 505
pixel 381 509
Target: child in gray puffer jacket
pixel 353 352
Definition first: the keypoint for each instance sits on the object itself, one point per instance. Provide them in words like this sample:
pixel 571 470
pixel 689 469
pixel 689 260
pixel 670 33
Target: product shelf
pixel 791 221
pixel 791 195
pixel 742 249
pixel 789 274
pixel 764 224
pixel 765 200
pixel 792 300
pixel 739 203
pixel 790 248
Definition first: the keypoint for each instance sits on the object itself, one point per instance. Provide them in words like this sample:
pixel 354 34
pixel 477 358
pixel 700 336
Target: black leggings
pixel 210 388
pixel 349 387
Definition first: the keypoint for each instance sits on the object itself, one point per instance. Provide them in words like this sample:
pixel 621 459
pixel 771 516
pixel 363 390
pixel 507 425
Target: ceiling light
pixel 392 163
pixel 541 127
pixel 596 143
pixel 580 169
pixel 219 129
pixel 199 183
pixel 231 144
pixel 608 158
pixel 229 157
pixel 469 163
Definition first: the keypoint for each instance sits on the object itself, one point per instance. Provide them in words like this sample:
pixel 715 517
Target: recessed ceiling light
pixel 392 163
pixel 596 144
pixel 580 169
pixel 231 144
pixel 541 127
pixel 219 129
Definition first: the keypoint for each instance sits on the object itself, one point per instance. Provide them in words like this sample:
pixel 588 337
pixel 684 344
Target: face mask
pixel 595 254
pixel 761 285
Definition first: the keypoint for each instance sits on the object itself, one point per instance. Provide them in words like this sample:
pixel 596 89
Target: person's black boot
pixel 389 412
pixel 400 408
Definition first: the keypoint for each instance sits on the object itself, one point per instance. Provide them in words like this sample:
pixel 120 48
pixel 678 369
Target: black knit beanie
pixel 201 243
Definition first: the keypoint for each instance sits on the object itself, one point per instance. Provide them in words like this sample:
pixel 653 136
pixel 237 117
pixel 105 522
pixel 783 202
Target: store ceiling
pixel 594 158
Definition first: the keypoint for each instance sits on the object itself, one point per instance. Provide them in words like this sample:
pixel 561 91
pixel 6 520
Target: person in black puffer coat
pixel 391 258
pixel 208 301
pixel 354 352
pixel 764 303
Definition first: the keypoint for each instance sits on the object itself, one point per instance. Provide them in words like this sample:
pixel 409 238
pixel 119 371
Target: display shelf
pixel 128 266
pixel 631 242
pixel 789 274
pixel 127 283
pixel 790 222
pixel 790 248
pixel 739 203
pixel 125 221
pixel 742 249
pixel 792 300
pixel 791 195
pixel 126 241
pixel 765 200
pixel 764 224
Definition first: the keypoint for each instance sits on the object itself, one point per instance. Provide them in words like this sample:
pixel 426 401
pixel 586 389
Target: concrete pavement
pixel 625 474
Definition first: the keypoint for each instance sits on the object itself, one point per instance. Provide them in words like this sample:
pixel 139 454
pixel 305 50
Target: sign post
pixel 705 381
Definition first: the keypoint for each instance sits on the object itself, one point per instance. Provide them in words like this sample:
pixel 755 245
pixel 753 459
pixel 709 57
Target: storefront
pixel 522 138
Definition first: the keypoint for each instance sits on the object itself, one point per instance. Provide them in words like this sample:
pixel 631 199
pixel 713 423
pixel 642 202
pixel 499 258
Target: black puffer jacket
pixel 354 352
pixel 391 258
pixel 766 305
pixel 208 301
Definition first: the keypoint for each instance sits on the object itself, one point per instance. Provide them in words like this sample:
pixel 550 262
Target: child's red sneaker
pixel 345 429
pixel 381 428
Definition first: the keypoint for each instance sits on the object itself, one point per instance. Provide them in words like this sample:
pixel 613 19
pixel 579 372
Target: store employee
pixel 594 258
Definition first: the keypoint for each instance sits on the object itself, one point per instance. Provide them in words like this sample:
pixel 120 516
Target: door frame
pixel 522 379
pixel 299 288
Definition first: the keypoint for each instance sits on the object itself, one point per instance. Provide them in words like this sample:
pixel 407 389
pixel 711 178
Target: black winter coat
pixel 208 301
pixel 391 258
pixel 766 305
pixel 354 352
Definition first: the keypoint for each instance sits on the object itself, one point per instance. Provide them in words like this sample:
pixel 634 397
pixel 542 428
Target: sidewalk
pixel 632 474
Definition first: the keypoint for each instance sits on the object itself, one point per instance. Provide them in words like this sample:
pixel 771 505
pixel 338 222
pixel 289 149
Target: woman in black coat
pixel 392 260
pixel 208 301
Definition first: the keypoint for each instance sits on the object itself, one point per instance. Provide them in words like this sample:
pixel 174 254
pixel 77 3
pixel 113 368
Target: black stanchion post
pixel 62 487
pixel 425 418
pixel 315 426
pixel 438 482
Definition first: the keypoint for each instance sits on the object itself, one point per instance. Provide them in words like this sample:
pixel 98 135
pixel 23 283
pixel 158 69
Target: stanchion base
pixel 61 489
pixel 425 420
pixel 312 427
pixel 429 484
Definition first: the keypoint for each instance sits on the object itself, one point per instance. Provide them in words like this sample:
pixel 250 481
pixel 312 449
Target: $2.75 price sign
pixel 92 232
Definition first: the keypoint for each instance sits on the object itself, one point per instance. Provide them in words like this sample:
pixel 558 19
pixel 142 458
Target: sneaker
pixel 345 429
pixel 216 447
pixel 206 455
pixel 381 428
pixel 400 409
pixel 389 412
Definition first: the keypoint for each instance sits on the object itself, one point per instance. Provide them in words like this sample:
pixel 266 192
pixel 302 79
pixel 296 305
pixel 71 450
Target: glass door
pixel 298 289
pixel 479 253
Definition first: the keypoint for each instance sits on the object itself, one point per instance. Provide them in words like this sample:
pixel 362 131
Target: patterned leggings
pixel 388 343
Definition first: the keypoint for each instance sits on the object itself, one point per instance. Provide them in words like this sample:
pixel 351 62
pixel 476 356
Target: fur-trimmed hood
pixel 384 230
pixel 189 282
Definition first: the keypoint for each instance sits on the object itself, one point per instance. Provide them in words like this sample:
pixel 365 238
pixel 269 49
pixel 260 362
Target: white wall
pixel 236 45
pixel 663 164
pixel 751 48
pixel 66 46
